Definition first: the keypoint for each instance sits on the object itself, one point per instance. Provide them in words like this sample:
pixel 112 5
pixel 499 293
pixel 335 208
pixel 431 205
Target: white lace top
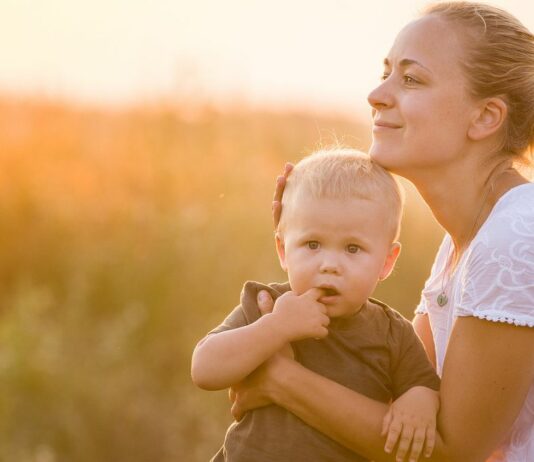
pixel 493 280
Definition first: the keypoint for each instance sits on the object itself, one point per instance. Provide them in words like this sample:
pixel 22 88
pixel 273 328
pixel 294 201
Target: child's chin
pixel 333 311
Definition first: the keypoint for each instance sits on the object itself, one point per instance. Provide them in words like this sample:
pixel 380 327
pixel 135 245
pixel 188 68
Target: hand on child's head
pixel 279 192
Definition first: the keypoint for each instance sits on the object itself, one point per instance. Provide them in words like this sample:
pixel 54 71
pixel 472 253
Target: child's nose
pixel 329 264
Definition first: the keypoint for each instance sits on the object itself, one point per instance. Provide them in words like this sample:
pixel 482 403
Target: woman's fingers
pixel 279 192
pixel 277 213
pixel 231 394
pixel 236 411
pixel 277 199
pixel 265 302
pixel 287 169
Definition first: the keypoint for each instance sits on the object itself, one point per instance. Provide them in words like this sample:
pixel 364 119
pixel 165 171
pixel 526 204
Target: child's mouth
pixel 330 291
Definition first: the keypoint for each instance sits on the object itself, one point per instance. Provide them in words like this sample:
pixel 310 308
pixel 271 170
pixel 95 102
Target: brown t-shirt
pixel 375 352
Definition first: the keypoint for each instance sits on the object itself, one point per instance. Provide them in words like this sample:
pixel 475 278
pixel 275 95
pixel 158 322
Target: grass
pixel 125 236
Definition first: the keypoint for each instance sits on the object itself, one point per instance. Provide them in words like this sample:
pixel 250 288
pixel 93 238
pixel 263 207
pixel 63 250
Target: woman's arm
pixel 421 325
pixel 486 378
pixel 488 371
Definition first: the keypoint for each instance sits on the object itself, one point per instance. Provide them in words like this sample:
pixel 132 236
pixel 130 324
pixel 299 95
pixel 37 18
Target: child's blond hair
pixel 343 173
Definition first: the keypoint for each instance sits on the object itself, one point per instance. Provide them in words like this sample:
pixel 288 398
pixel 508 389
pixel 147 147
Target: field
pixel 126 234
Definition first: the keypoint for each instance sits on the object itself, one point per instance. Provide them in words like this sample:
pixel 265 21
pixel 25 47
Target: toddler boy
pixel 337 238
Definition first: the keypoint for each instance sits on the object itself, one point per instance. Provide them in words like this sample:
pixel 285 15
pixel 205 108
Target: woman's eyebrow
pixel 407 62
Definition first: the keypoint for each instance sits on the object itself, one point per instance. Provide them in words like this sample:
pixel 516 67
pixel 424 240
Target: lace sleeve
pixel 497 280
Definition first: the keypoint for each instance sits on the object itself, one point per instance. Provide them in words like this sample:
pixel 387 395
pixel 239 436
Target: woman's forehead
pixel 431 41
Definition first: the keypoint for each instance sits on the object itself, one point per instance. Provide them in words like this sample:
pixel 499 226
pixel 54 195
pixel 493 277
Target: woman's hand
pixel 278 193
pixel 254 391
pixel 411 420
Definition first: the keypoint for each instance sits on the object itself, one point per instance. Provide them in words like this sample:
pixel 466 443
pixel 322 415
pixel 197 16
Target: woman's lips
pixel 380 126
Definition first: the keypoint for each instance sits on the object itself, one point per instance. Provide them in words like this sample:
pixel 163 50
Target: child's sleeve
pixel 410 366
pixel 248 311
pixel 234 320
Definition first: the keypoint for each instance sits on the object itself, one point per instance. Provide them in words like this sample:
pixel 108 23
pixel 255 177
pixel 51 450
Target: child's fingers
pixel 417 443
pixel 430 441
pixel 314 294
pixel 404 442
pixel 395 428
pixel 386 422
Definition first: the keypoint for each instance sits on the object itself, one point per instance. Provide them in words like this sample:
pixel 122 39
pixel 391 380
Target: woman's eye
pixel 384 76
pixel 353 248
pixel 409 79
pixel 313 245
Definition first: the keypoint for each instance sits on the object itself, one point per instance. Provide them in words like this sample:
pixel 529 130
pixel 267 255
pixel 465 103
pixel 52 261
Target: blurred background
pixel 139 143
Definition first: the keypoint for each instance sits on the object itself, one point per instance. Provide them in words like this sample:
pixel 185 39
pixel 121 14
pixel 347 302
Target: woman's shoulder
pixel 512 218
pixel 497 275
pixel 516 202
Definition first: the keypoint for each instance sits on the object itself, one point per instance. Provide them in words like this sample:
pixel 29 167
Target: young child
pixel 337 238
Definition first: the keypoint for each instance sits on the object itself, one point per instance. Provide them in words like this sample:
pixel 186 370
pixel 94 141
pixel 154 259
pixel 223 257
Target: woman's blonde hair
pixel 343 173
pixel 499 61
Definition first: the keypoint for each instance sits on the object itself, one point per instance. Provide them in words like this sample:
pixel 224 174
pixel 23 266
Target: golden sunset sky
pixel 316 53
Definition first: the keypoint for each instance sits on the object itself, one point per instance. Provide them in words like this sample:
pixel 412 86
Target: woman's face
pixel 422 108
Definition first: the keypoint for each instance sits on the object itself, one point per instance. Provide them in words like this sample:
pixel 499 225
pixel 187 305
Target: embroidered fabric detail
pixel 496 273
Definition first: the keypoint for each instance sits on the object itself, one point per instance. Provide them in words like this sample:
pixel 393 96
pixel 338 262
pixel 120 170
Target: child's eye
pixel 353 248
pixel 384 76
pixel 313 245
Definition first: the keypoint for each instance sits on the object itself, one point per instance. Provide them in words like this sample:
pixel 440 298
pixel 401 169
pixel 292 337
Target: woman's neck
pixel 462 198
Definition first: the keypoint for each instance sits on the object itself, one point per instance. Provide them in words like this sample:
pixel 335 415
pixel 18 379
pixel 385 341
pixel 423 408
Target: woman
pixel 454 114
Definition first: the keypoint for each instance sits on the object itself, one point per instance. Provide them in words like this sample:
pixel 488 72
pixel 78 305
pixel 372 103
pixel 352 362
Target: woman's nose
pixel 381 97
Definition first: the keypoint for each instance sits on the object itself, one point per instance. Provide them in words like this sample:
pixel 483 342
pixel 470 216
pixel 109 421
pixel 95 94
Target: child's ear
pixel 389 264
pixel 281 250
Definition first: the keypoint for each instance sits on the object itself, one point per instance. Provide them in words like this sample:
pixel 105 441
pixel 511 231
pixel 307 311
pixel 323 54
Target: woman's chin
pixel 382 156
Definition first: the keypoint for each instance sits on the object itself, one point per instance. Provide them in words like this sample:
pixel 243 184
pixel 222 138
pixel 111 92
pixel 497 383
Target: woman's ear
pixel 391 258
pixel 488 119
pixel 281 250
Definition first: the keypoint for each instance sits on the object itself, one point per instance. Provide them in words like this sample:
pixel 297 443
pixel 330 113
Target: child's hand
pixel 301 316
pixel 412 417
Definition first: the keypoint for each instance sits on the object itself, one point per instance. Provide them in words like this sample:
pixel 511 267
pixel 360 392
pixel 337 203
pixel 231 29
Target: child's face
pixel 341 246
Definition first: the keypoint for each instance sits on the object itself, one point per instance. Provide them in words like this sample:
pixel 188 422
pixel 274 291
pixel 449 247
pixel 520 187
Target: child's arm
pixel 410 423
pixel 223 359
pixel 412 418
